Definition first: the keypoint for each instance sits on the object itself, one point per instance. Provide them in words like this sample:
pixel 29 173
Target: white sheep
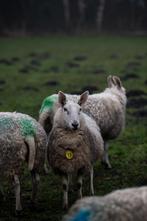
pixel 121 205
pixel 107 108
pixel 73 151
pixel 22 139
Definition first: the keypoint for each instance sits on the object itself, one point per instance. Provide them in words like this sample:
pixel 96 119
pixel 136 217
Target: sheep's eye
pixel 65 109
pixel 80 110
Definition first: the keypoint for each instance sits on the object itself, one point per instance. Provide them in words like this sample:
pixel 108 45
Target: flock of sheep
pixel 72 133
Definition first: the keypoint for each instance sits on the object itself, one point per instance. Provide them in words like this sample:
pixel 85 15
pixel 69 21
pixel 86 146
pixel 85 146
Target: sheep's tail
pixel 30 141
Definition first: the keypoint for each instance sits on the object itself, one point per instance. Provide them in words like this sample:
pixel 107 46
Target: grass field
pixel 33 68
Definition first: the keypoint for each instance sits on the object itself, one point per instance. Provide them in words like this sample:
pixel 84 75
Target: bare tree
pixel 81 6
pixel 100 13
pixel 26 7
pixel 66 12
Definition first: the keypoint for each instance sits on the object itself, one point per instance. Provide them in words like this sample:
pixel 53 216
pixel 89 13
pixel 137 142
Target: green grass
pixel 111 54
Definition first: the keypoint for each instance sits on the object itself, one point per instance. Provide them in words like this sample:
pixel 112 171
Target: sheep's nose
pixel 75 125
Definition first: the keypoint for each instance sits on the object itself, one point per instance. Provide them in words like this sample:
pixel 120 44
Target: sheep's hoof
pixel 65 207
pixel 46 170
pixel 92 193
pixel 18 213
pixel 106 165
pixel 33 204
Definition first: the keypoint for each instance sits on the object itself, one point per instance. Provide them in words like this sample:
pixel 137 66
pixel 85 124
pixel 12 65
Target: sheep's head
pixel 71 111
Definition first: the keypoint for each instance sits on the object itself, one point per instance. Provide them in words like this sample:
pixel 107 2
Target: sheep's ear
pixel 117 81
pixel 83 98
pixel 109 81
pixel 61 98
pixel 114 81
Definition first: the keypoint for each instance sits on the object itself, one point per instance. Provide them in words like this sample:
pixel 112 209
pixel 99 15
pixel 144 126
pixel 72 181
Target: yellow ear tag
pixel 69 154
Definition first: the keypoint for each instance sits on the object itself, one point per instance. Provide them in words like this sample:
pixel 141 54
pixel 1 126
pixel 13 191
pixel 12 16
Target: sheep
pixel 107 108
pixel 22 139
pixel 73 151
pixel 121 205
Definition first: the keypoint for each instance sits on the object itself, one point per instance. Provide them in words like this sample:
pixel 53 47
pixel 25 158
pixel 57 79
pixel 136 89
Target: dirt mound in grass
pixel 80 58
pixel 71 64
pixel 92 89
pixel 134 93
pixel 133 64
pixel 137 102
pixel 130 76
pixel 30 88
pixel 2 82
pixel 99 71
pixel 140 113
pixel 51 83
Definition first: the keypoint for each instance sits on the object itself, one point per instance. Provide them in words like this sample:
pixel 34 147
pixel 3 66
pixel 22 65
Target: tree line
pixel 28 16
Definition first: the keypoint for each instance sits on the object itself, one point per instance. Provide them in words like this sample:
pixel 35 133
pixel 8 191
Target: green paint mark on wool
pixel 48 103
pixel 6 123
pixel 27 127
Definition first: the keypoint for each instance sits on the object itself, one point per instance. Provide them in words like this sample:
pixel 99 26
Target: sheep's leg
pixel 42 118
pixel 105 160
pixel 45 121
pixel 46 164
pixel 65 184
pixel 35 183
pixel 79 185
pixel 91 181
pixel 2 192
pixel 17 193
pixel 46 169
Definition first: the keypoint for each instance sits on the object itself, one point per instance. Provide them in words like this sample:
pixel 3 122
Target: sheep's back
pixel 30 127
pixel 108 114
pixel 14 129
pixel 12 147
pixel 124 205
